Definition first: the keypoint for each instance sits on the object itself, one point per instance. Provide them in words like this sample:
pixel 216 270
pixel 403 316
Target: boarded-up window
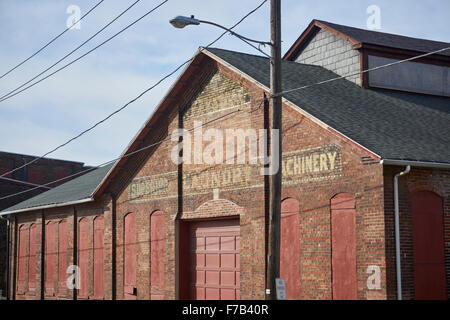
pixel 98 258
pixel 290 248
pixel 35 176
pixel 343 247
pixel 62 257
pixel 157 255
pixel 60 174
pixel 83 257
pixel 428 240
pixel 50 257
pixel 130 256
pixel 32 260
pixel 21 279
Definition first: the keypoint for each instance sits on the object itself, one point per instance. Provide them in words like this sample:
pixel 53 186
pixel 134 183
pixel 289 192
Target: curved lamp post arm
pixel 234 33
pixel 182 21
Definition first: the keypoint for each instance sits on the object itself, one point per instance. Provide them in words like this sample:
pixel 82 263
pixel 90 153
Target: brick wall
pixel 40 172
pixel 419 179
pixel 151 182
pixel 363 179
pixel 333 53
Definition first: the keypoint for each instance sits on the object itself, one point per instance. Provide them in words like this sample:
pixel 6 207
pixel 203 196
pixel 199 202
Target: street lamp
pixel 273 248
pixel 182 21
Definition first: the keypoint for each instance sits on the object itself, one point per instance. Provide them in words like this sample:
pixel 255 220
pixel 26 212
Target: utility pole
pixel 273 250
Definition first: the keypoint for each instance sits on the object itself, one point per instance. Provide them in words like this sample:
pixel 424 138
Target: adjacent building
pixel 186 218
pixel 34 179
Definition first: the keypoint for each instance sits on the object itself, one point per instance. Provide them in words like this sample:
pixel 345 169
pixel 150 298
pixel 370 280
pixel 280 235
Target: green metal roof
pixel 74 190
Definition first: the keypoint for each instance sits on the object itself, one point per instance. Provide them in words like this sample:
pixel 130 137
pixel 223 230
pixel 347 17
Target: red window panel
pixel 428 244
pixel 99 262
pixel 62 258
pixel 290 248
pixel 130 256
pixel 61 174
pixel 35 176
pixel 21 279
pixel 157 255
pixel 343 247
pixel 83 257
pixel 50 257
pixel 32 260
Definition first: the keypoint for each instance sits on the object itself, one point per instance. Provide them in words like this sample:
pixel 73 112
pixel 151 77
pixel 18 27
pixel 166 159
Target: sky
pixel 41 118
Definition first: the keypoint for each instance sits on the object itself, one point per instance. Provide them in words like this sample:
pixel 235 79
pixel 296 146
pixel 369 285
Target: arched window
pixel 32 260
pixel 428 244
pixel 99 262
pixel 290 248
pixel 50 257
pixel 62 257
pixel 157 255
pixel 83 257
pixel 129 265
pixel 343 247
pixel 21 279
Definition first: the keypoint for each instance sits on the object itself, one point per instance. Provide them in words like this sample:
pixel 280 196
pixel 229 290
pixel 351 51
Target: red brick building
pixel 34 176
pixel 147 227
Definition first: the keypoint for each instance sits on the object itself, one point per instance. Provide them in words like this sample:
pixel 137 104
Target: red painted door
pixel 21 279
pixel 50 257
pixel 290 248
pixel 99 262
pixel 215 260
pixel 62 258
pixel 32 261
pixel 157 255
pixel 130 256
pixel 428 243
pixel 343 247
pixel 83 258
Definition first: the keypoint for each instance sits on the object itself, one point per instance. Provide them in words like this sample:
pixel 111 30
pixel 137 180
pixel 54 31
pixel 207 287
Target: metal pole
pixel 273 254
pixel 8 259
pixel 397 233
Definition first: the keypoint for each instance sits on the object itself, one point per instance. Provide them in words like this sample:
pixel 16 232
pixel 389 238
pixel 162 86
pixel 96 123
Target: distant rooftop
pixel 389 40
pixel 369 37
pixel 3 153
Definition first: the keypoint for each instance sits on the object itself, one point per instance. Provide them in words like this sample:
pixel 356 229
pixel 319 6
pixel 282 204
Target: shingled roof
pixel 78 189
pixel 395 126
pixel 369 38
pixel 388 39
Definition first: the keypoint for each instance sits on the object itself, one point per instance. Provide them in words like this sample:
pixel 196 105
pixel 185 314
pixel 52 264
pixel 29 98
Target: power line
pixel 133 100
pixel 51 41
pixel 364 71
pixel 121 157
pixel 5 96
pixel 8 96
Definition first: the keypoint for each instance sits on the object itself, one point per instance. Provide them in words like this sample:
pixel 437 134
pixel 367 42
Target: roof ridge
pixel 330 24
pixel 248 54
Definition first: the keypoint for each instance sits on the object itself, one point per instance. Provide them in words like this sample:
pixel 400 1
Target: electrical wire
pixel 11 93
pixel 362 72
pixel 133 100
pixel 121 157
pixel 51 41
